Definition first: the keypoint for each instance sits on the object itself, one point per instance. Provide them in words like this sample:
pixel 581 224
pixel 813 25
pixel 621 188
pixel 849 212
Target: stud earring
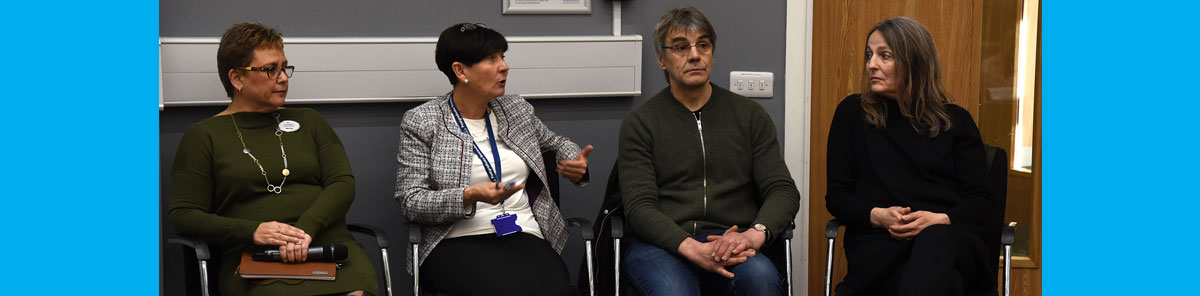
pixel 466 81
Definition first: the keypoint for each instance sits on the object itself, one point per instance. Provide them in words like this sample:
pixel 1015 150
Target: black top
pixel 899 166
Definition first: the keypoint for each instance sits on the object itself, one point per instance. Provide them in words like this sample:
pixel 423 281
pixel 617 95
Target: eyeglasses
pixel 469 27
pixel 703 47
pixel 272 72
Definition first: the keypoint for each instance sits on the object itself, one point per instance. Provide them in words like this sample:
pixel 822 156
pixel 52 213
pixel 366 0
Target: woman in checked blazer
pixel 470 172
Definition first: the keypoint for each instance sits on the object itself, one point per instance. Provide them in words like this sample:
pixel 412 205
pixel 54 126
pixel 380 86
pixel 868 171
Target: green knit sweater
pixel 218 194
pixel 678 180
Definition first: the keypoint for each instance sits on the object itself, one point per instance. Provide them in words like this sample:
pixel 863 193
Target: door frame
pixel 797 128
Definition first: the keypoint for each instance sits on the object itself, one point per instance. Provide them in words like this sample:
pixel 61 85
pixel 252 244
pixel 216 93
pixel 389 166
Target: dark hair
pixel 681 18
pixel 238 45
pixel 921 96
pixel 468 44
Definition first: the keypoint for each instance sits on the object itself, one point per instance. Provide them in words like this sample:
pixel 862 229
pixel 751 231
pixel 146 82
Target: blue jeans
pixel 655 271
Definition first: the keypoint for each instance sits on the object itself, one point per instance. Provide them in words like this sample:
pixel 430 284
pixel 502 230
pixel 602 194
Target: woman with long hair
pixel 907 175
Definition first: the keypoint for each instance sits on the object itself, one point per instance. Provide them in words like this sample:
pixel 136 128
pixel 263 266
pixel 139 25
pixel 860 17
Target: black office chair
pixel 997 164
pixel 197 271
pixel 611 227
pixel 550 161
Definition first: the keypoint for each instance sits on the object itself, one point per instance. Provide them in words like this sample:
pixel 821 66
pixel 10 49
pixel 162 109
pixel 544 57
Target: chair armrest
pixel 585 227
pixel 787 232
pixel 1008 233
pixel 381 237
pixel 199 245
pixel 618 226
pixel 831 228
pixel 414 233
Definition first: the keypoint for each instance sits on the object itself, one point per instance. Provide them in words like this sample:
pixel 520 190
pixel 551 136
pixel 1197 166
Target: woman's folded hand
pixel 912 224
pixel 296 252
pixel 277 234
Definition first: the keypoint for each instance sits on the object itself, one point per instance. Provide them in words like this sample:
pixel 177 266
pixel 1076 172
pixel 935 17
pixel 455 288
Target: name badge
pixel 506 224
pixel 289 126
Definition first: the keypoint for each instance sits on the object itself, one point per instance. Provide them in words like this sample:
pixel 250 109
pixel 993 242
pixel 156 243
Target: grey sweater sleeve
pixel 639 191
pixel 781 200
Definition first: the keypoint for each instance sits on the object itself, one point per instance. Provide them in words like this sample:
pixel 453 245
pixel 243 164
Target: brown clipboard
pixel 250 269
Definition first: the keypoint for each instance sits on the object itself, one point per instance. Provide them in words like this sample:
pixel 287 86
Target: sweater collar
pixel 717 97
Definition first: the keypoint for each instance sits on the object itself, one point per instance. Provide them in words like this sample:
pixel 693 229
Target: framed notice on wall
pixel 547 6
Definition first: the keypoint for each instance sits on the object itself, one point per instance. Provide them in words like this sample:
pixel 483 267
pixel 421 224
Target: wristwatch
pixel 763 228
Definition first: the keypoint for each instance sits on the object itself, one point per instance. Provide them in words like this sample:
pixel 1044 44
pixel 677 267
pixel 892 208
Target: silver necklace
pixel 246 150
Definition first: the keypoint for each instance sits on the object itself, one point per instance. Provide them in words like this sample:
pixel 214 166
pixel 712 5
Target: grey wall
pixel 750 37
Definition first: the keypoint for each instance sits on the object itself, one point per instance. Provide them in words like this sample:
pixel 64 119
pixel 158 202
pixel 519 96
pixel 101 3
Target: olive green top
pixel 218 194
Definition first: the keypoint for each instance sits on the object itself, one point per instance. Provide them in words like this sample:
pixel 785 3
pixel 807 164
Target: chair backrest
pixel 602 226
pixel 997 174
pixel 550 160
pixel 612 204
pixel 191 271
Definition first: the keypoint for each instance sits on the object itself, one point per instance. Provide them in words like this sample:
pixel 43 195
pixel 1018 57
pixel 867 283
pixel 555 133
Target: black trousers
pixel 515 264
pixel 941 260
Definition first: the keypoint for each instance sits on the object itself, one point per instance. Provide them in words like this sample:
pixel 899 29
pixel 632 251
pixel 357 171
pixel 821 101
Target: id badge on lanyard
pixel 505 223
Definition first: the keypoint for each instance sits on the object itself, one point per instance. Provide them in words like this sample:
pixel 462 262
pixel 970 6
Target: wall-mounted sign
pixel 547 7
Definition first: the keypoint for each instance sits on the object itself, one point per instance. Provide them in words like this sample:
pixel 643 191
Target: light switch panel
pixel 752 84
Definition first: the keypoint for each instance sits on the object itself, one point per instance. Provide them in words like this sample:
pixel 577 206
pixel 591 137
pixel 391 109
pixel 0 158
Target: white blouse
pixel 515 170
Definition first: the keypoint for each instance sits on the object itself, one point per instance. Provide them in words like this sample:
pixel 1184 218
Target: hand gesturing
pixel 575 169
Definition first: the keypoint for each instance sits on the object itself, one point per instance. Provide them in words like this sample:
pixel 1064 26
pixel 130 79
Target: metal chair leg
pixel 387 271
pixel 1007 237
pixel 829 268
pixel 591 273
pixel 787 245
pixel 1007 269
pixel 617 266
pixel 204 277
pixel 416 271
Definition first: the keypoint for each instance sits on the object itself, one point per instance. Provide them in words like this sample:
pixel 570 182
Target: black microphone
pixel 330 253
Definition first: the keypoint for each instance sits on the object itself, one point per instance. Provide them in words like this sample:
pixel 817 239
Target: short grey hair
pixel 682 18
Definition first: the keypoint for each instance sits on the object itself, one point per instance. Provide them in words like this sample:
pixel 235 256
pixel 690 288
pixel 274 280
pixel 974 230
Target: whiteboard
pixel 352 70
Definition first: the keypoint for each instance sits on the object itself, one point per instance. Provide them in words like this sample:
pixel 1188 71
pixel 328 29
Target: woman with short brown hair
pixel 258 174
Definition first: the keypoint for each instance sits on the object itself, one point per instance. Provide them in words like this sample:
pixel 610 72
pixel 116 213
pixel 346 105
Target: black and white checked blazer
pixel 434 166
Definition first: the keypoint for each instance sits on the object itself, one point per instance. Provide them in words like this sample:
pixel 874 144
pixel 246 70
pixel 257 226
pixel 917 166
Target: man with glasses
pixel 702 180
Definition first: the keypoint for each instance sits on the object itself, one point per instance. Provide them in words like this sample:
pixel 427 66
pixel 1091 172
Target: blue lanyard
pixel 494 175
